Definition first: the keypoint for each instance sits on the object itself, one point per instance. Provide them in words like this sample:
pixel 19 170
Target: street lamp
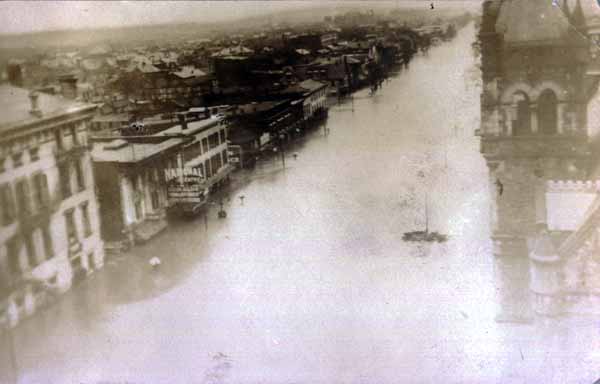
pixel 222 214
pixel 281 137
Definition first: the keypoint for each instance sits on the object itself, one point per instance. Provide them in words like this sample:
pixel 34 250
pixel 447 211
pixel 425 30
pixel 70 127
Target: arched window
pixel 522 122
pixel 547 113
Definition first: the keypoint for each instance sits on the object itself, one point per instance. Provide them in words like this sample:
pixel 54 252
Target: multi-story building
pixel 534 128
pixel 131 185
pixel 534 105
pixel 314 97
pixel 202 165
pixel 49 227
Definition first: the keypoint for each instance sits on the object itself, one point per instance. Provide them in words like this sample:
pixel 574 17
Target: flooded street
pixel 308 279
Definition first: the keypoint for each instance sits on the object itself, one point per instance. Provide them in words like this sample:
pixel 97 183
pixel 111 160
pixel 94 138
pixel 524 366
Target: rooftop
pixel 16 107
pixel 192 127
pixel 523 21
pixel 234 51
pixel 188 71
pixel 305 87
pixel 121 151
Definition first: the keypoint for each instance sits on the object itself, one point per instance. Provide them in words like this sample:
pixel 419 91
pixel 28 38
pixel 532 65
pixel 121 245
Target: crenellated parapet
pixel 566 186
pixel 565 261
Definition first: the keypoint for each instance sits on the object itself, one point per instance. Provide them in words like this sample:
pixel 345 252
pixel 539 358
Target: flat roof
pixel 15 106
pixel 192 127
pixel 116 152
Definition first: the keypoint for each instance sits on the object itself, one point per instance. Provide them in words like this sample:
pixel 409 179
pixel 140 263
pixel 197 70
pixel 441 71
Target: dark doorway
pixel 547 113
pixel 522 122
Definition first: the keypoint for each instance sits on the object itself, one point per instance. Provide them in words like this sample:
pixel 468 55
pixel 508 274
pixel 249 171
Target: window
pixel 65 180
pixel 224 155
pixel 222 134
pixel 215 163
pixel 59 139
pixel 213 140
pixel 205 145
pixel 48 248
pixel 548 113
pixel 79 172
pixel 13 249
pixel 73 130
pixel 17 159
pixel 23 197
pixel 87 225
pixel 522 123
pixel 207 168
pixel 7 204
pixel 70 225
pixel 34 154
pixel 155 199
pixel 30 246
pixel 41 193
pixel 194 150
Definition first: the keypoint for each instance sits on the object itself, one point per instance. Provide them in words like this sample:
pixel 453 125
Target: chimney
pixel 35 108
pixel 182 121
pixel 68 86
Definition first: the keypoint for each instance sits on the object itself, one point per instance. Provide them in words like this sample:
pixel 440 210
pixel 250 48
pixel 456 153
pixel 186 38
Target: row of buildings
pixel 67 196
pixel 96 167
pixel 151 80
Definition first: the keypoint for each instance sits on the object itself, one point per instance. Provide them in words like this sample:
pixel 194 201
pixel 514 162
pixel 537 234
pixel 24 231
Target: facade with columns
pixel 49 227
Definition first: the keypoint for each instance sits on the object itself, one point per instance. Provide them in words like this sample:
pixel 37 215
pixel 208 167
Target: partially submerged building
pixel 49 227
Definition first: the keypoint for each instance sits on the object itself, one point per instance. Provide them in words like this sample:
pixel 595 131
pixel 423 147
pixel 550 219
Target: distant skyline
pixel 37 16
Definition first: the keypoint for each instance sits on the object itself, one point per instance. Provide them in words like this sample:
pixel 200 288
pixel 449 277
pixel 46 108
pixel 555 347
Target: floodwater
pixel 308 280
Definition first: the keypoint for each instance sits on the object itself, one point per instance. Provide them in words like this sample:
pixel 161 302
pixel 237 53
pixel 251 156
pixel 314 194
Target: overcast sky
pixel 30 16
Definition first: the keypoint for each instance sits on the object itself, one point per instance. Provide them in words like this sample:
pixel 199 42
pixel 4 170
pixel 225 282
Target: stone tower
pixel 533 126
pixel 533 110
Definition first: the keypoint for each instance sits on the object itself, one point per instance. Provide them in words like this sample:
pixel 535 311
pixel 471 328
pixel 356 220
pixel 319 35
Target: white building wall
pixel 56 272
pixel 593 116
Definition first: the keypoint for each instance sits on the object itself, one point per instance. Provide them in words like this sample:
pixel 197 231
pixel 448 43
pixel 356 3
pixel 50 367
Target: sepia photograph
pixel 300 192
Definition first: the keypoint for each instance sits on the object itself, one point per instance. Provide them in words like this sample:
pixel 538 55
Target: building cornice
pixel 32 126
